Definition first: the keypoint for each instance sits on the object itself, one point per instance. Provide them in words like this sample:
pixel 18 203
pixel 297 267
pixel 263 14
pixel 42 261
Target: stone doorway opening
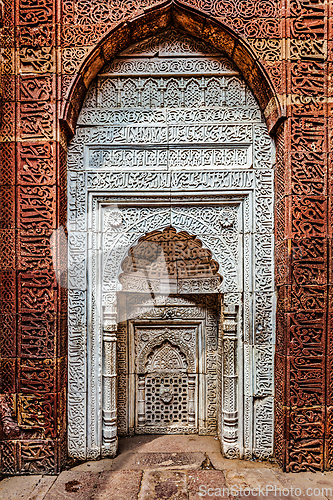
pixel 169 341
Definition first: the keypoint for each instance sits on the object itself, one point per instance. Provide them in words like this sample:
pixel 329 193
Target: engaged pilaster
pixel 109 419
pixel 230 445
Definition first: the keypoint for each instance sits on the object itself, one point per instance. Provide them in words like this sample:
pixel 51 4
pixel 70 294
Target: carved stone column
pixel 109 412
pixel 192 398
pixel 230 445
pixel 141 400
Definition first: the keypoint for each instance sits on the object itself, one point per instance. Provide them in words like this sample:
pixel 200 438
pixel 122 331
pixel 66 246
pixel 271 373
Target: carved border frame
pixel 133 324
pixel 91 393
pixel 248 284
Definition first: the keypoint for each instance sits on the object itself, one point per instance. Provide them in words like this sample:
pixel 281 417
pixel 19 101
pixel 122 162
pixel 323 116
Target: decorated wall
pixel 51 52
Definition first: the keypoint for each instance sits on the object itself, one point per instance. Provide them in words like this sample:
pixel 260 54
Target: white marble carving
pixel 170 134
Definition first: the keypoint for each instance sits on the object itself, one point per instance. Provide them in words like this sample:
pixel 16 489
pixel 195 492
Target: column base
pixel 109 450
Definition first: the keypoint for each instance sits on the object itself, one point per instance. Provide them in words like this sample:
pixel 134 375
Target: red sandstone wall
pixel 51 52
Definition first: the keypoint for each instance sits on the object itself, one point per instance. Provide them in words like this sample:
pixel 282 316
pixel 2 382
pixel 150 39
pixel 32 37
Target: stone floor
pixel 169 468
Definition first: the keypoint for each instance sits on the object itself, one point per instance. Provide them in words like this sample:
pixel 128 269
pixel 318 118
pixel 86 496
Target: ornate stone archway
pixel 201 23
pixel 170 135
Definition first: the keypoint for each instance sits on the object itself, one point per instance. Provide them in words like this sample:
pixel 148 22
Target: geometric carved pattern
pixel 167 400
pixel 166 389
pixel 167 386
pixel 158 157
pixel 166 359
pixel 183 256
pixel 165 346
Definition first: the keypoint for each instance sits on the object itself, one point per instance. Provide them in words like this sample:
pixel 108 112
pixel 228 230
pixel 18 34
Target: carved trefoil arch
pixel 170 135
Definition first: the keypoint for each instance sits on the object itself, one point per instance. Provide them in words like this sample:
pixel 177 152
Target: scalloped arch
pixel 168 253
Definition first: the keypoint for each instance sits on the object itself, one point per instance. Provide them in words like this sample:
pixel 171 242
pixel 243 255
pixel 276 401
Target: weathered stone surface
pixel 156 461
pixel 163 484
pixel 205 483
pixel 94 466
pixel 69 483
pixel 42 488
pixel 242 480
pixel 18 488
pixel 173 443
pixel 121 485
pixel 220 462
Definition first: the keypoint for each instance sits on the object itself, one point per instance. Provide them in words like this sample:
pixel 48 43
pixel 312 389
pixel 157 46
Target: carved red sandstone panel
pixel 34 166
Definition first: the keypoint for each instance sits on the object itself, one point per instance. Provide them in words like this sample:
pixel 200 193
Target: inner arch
pixel 168 258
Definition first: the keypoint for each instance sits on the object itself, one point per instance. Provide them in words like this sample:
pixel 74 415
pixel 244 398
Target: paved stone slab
pixel 120 485
pixel 143 461
pixel 324 482
pixel 42 487
pixel 18 487
pixel 221 463
pixel 163 485
pixel 306 482
pixel 94 466
pixel 171 443
pixel 206 483
pixel 255 483
pixel 72 485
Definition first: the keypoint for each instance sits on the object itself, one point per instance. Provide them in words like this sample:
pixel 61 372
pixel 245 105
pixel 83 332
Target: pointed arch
pixel 129 94
pixel 166 357
pixel 108 94
pixel 190 21
pixel 150 93
pixel 167 335
pixel 213 93
pixel 235 92
pixel 172 94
